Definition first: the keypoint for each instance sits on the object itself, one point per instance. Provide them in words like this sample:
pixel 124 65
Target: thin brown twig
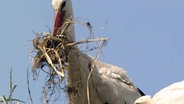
pixel 93 68
pixel 65 25
pixel 45 101
pixel 87 41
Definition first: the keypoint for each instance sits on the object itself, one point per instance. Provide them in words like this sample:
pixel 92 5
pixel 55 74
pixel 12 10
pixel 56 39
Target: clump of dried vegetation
pixel 52 52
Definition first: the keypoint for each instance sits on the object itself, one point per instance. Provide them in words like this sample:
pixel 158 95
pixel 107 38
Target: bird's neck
pixel 77 79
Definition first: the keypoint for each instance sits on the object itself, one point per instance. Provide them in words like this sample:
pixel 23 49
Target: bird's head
pixel 62 11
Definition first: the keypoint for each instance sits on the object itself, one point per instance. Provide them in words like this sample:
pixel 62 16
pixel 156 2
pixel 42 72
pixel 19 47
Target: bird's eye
pixel 63 4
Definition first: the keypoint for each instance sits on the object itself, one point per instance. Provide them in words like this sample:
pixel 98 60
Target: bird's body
pixel 113 85
pixel 108 84
pixel 173 94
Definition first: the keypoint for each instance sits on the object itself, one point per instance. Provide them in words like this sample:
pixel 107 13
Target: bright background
pixel 146 38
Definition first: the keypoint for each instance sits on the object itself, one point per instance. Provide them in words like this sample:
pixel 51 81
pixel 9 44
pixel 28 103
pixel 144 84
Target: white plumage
pixel 113 85
pixel 173 94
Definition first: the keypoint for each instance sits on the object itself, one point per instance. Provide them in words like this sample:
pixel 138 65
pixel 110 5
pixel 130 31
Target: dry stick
pixel 45 101
pixel 29 91
pixel 65 26
pixel 59 59
pixel 50 61
pixel 92 69
pixel 87 41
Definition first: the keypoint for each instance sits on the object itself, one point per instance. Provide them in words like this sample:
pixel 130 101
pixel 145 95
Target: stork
pixel 173 94
pixel 108 85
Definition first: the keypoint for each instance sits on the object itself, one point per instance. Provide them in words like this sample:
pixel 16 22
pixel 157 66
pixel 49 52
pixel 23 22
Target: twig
pixel 45 101
pixel 92 69
pixel 50 61
pixel 28 88
pixel 87 41
pixel 60 63
pixel 65 26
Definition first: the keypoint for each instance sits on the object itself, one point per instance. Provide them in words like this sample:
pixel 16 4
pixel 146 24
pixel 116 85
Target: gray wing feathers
pixel 113 85
pixel 114 72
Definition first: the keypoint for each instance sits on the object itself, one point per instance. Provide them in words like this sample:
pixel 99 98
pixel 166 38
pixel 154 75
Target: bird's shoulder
pixel 114 72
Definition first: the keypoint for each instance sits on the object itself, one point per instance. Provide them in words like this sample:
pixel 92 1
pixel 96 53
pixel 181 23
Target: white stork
pixel 109 84
pixel 173 94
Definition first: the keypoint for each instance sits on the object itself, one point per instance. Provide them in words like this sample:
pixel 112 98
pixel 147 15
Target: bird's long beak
pixel 58 22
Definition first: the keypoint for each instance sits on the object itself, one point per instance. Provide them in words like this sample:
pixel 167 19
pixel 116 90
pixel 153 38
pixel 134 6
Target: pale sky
pixel 146 39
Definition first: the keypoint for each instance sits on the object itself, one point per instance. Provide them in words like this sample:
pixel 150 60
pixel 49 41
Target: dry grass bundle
pixel 52 51
pixel 51 54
